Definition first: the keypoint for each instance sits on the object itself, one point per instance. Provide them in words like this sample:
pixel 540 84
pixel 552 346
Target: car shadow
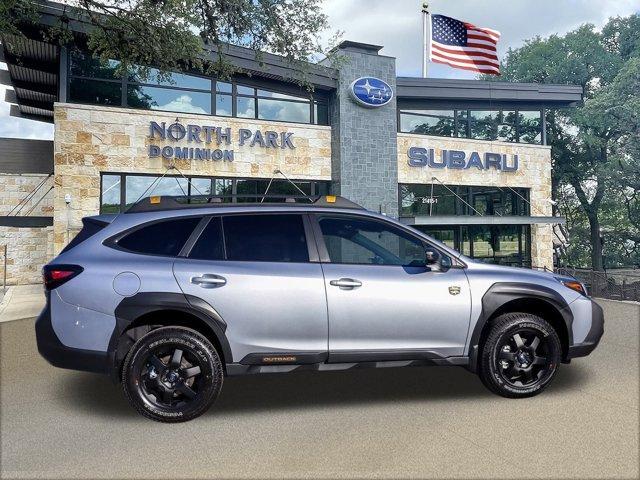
pixel 96 394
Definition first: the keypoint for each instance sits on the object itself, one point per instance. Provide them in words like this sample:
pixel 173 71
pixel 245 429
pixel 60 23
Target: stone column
pixel 364 140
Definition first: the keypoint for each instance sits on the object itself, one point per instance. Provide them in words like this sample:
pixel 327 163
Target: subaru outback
pixel 174 295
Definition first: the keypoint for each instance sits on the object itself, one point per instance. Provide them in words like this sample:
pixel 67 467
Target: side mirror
pixel 431 256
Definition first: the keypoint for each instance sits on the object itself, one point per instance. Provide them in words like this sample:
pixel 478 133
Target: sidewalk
pixel 21 301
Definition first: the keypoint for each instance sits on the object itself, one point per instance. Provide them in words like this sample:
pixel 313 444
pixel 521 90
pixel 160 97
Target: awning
pixel 480 220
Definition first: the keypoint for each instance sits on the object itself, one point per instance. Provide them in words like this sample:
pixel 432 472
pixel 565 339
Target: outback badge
pixel 454 290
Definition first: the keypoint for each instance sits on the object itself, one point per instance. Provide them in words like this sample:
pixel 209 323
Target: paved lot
pixel 414 422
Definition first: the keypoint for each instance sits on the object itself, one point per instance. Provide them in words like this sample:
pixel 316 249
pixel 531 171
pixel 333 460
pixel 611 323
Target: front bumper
pixel 61 356
pixel 593 337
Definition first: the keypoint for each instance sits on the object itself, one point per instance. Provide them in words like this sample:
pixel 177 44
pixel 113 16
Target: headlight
pixel 574 285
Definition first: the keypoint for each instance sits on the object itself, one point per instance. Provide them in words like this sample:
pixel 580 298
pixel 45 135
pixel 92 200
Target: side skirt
pixel 242 369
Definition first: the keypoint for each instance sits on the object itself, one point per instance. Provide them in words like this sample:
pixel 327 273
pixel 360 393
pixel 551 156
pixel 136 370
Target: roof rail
pixel 176 202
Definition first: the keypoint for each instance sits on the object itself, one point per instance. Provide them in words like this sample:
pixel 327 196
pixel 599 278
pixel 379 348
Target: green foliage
pixel 172 35
pixel 596 147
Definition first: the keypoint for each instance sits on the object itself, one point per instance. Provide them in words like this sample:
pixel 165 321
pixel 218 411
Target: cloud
pixel 183 103
pixel 397 25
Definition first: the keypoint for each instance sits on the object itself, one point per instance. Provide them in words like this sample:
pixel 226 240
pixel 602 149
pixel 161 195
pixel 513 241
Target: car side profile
pixel 174 295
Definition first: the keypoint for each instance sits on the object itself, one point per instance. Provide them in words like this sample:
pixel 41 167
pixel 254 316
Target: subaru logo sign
pixel 371 92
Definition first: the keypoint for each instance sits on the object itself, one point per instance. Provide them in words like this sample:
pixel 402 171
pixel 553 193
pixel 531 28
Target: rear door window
pixel 265 238
pixel 210 244
pixel 160 238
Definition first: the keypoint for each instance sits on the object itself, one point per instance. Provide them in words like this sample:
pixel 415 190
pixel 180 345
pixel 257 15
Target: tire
pixel 513 363
pixel 172 374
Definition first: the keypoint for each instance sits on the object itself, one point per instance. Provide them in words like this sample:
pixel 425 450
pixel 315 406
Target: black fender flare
pixel 502 293
pixel 142 303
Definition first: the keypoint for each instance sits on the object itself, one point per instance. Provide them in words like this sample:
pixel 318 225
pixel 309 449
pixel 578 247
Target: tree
pixel 172 35
pixel 594 145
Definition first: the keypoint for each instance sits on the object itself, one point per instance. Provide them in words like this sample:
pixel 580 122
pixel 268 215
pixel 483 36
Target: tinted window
pixel 266 238
pixel 161 238
pixel 361 241
pixel 157 98
pixel 210 244
pixel 95 91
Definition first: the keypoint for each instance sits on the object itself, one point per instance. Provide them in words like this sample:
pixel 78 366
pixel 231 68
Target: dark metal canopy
pixel 412 92
pixel 480 220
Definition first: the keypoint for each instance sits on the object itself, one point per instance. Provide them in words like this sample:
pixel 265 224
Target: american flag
pixel 463 45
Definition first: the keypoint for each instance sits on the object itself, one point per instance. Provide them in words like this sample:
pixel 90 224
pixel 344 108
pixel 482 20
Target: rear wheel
pixel 172 374
pixel 521 355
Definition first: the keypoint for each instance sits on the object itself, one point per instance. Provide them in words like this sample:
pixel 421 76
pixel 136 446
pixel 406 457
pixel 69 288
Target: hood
pixel 540 277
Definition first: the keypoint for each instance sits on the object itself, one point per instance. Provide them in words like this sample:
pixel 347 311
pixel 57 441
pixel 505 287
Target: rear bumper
pixel 59 355
pixel 593 337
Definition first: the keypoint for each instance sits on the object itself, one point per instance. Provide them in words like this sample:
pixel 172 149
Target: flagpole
pixel 426 37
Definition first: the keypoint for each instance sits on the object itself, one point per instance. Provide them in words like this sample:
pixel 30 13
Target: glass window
pixel 152 75
pixel 242 90
pixel 282 187
pixel 323 188
pixel 418 200
pixel 501 244
pixel 484 125
pixel 428 122
pixel 283 111
pixel 247 190
pixel 223 186
pixel 444 235
pixel 245 107
pixel 210 245
pixel 321 113
pixel 370 242
pixel 200 186
pixel 224 105
pixel 110 201
pixel 265 238
pixel 95 92
pixel 529 127
pixel 157 98
pixel 83 64
pixel 267 93
pixel 142 186
pixel 160 238
pixel 462 119
pixel 224 87
pixel 506 124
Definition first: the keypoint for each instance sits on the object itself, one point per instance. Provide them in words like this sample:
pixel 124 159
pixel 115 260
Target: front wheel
pixel 521 355
pixel 172 374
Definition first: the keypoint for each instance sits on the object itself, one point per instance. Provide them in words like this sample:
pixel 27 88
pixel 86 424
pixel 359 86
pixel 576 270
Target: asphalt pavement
pixel 423 422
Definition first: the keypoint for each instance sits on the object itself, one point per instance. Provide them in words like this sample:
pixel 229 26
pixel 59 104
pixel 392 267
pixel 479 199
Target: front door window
pixel 370 242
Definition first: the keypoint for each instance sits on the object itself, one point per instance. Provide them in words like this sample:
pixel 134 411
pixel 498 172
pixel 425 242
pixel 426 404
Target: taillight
pixel 56 275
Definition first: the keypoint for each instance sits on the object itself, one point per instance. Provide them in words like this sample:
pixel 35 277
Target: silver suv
pixel 172 296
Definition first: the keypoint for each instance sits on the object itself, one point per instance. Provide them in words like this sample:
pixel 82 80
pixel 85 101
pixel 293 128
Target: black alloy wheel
pixel 520 356
pixel 172 374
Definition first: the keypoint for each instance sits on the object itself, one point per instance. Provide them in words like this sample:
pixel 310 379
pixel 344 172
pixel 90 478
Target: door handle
pixel 209 280
pixel 347 283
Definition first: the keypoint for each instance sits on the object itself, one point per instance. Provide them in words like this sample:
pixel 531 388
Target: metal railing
pixel 612 284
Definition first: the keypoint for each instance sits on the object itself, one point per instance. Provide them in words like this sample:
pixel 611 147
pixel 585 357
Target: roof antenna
pixel 276 172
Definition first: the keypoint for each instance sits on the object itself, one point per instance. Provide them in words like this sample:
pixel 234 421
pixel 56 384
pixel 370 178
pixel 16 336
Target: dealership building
pixel 465 161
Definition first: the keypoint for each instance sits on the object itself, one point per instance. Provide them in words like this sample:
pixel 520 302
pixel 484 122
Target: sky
pixel 397 25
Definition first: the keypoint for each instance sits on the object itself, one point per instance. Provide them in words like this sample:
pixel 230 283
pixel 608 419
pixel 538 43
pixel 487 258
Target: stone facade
pixel 364 139
pixel 28 249
pixel 534 173
pixel 15 188
pixel 91 139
